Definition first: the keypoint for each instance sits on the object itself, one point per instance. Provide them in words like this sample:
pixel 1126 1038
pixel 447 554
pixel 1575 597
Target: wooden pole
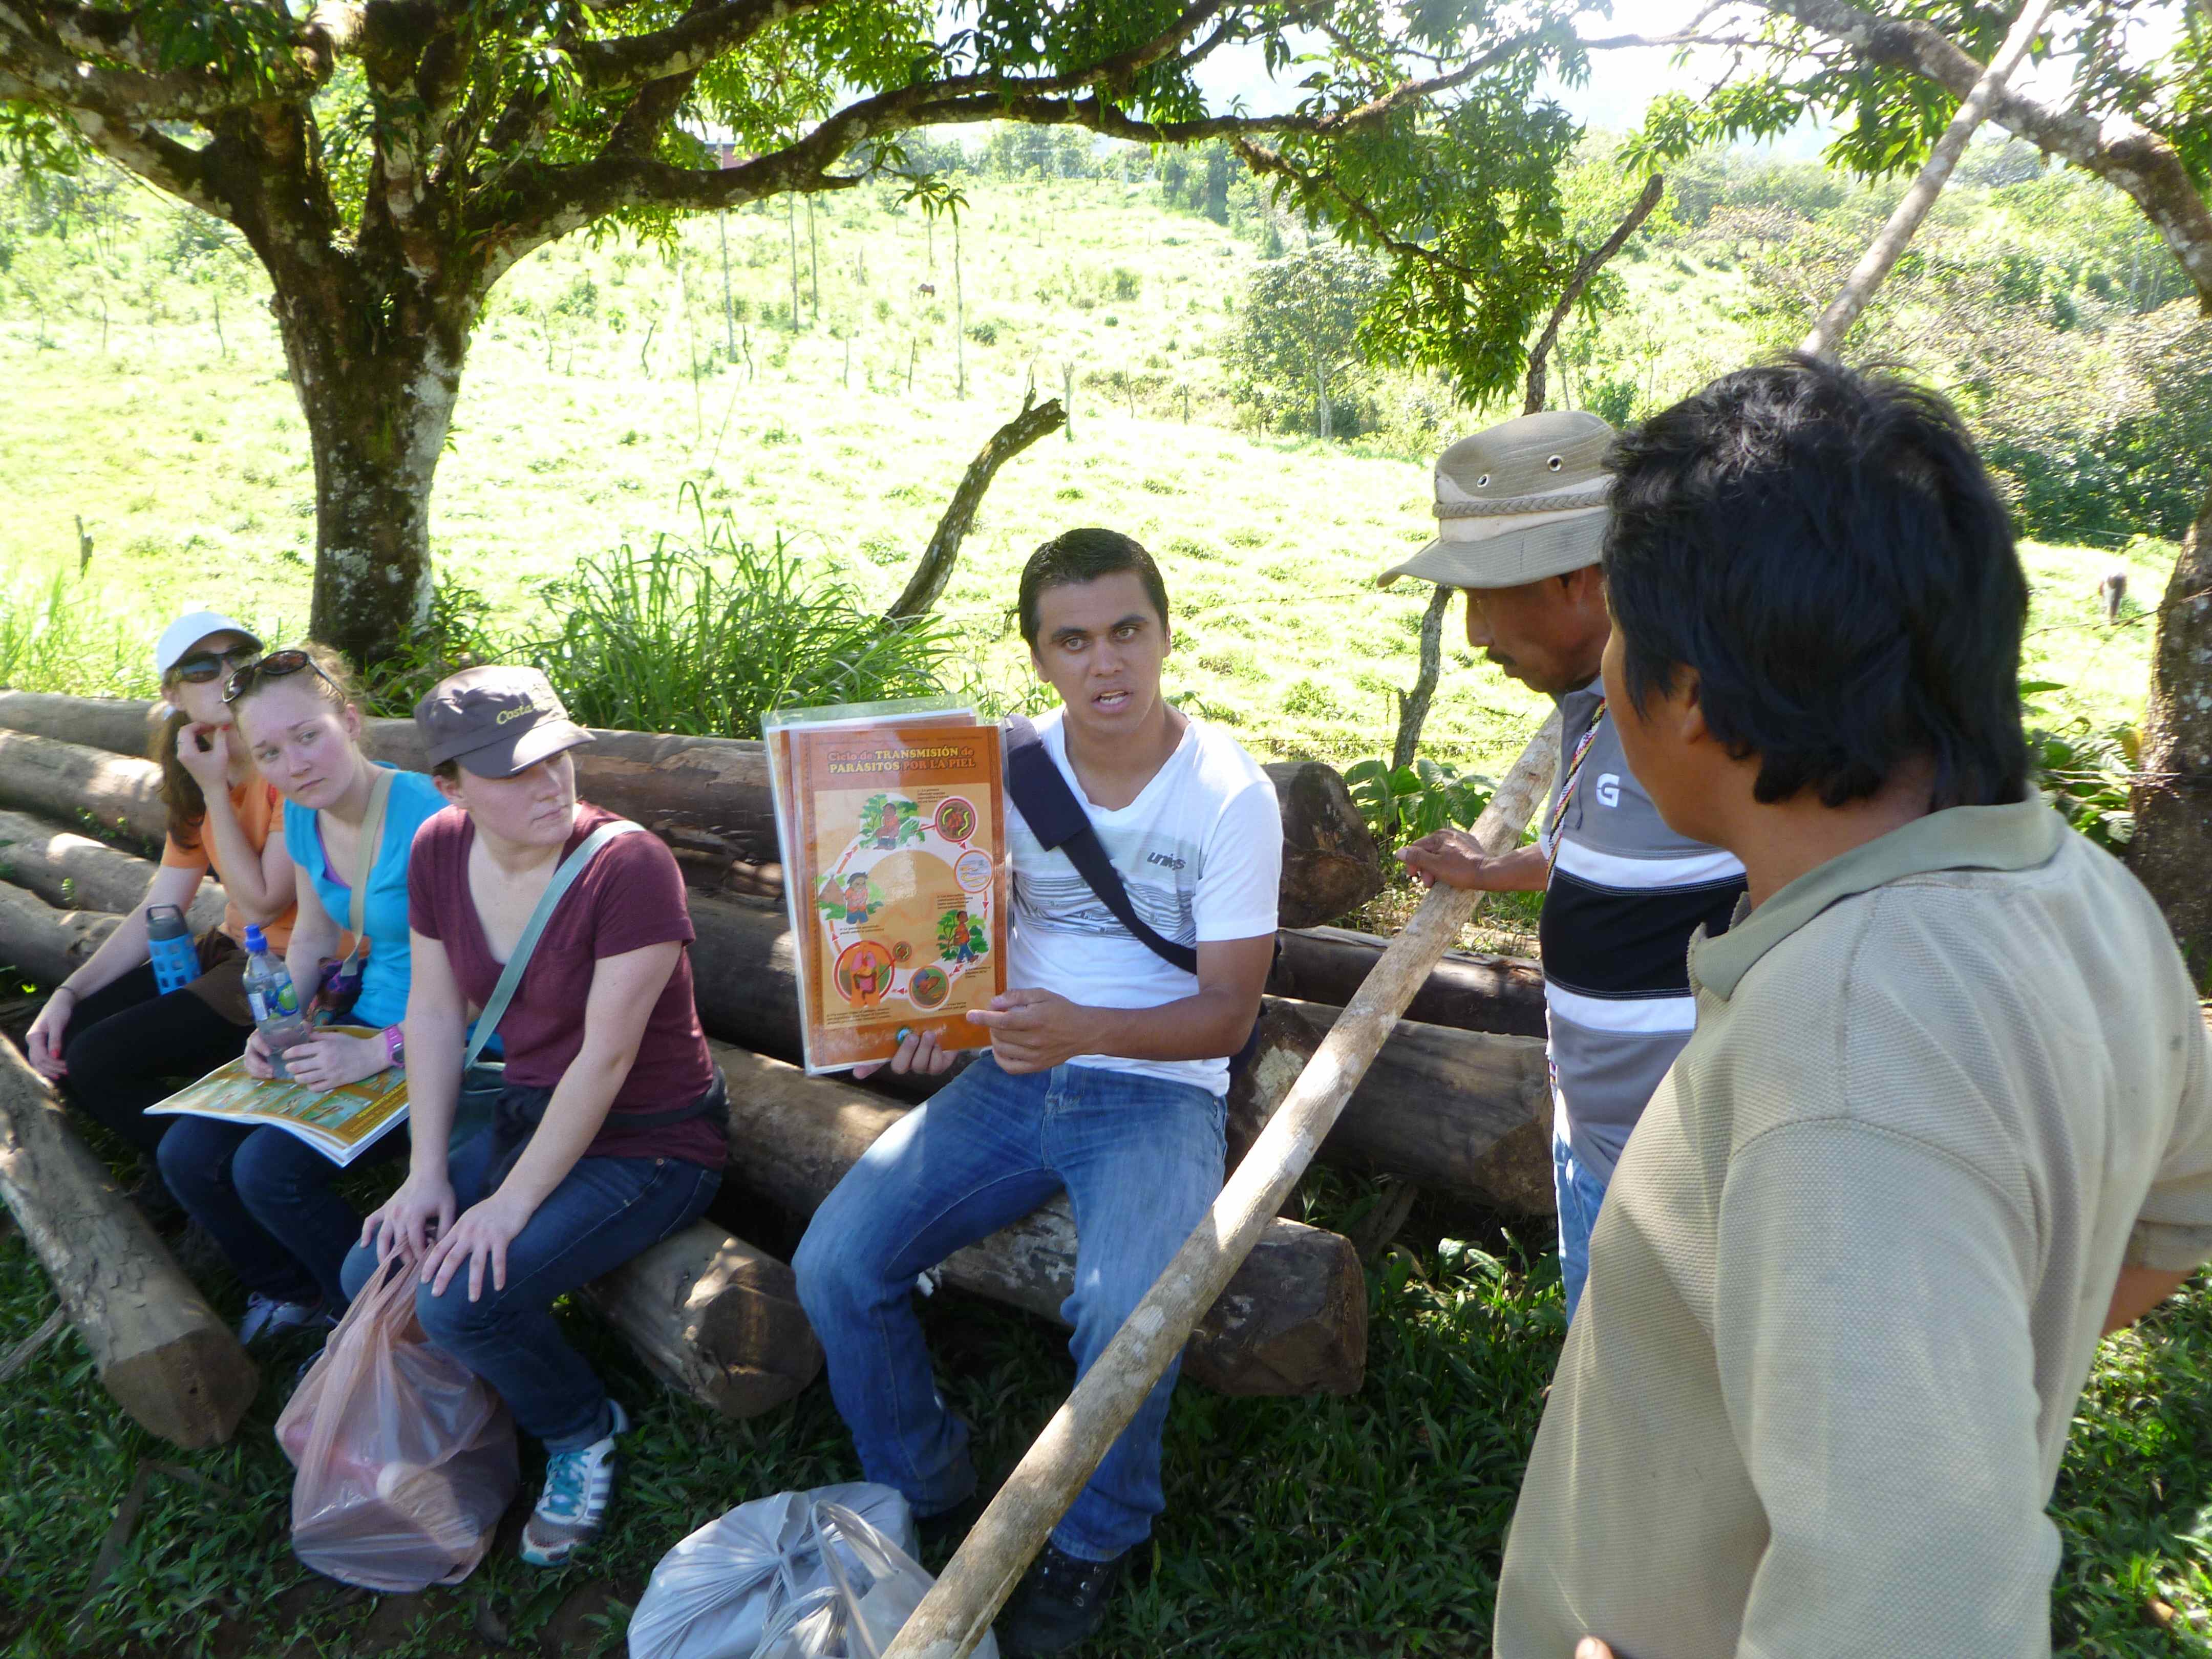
pixel 160 1349
pixel 958 1611
pixel 1889 243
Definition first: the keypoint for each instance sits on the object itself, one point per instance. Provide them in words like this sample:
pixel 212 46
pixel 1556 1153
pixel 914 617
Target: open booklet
pixel 894 828
pixel 341 1124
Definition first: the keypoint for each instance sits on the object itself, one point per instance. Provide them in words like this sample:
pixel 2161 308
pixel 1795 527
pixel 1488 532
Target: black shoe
pixel 1061 1600
pixel 941 1534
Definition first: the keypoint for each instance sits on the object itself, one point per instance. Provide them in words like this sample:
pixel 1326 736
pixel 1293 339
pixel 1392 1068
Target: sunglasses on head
pixel 208 664
pixel 277 666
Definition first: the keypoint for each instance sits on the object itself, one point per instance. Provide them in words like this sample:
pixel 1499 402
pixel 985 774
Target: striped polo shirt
pixel 1626 894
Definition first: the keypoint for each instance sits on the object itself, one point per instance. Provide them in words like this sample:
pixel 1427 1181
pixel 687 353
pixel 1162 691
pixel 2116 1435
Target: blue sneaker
pixel 578 1486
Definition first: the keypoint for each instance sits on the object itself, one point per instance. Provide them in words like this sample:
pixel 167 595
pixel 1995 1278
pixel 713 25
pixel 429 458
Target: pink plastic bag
pixel 406 1459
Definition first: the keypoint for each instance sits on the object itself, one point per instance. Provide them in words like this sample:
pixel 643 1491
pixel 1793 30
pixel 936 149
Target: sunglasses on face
pixel 208 664
pixel 277 666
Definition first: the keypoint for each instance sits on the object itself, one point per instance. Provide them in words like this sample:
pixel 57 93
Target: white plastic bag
pixel 714 1596
pixel 875 1586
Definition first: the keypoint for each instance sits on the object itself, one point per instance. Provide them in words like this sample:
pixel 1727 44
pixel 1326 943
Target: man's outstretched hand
pixel 1456 859
pixel 1591 1648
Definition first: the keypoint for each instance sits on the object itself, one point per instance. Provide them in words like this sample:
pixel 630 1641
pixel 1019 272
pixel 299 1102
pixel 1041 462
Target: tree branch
pixel 934 569
pixel 1261 159
pixel 2121 151
pixel 683 46
pixel 1889 243
pixel 46 47
pixel 1655 189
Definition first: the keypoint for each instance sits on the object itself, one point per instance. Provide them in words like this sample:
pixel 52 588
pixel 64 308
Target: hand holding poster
pixel 893 824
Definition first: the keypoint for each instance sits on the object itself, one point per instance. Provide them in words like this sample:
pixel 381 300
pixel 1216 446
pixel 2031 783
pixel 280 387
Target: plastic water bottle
pixel 169 944
pixel 275 1004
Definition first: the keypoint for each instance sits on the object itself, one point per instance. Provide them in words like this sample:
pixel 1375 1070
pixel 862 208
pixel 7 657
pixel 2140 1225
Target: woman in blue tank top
pixel 262 1194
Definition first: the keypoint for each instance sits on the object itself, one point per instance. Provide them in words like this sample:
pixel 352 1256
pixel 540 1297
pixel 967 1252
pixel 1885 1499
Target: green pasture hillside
pixel 147 397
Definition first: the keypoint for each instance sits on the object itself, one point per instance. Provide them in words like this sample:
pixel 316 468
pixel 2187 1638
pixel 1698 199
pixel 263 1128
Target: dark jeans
pixel 606 1211
pixel 129 1046
pixel 264 1196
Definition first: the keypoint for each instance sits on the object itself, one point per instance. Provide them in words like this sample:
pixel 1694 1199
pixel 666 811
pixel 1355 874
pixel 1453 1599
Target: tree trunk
pixel 378 403
pixel 1413 706
pixel 1330 864
pixel 1467 992
pixel 65 783
pixel 123 726
pixel 47 944
pixel 2171 852
pixel 1466 1114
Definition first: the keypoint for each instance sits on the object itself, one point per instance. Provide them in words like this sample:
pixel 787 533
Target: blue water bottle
pixel 169 943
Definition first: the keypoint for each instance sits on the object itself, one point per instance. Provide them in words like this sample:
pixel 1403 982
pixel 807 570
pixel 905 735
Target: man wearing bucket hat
pixel 1522 519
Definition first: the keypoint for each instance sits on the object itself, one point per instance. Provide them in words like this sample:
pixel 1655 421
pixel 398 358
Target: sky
pixel 1623 82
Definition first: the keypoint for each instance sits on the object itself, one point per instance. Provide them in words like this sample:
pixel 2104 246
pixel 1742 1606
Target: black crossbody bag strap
pixel 1057 819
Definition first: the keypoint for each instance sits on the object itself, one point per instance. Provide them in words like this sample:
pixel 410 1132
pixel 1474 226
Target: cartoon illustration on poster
pixel 894 834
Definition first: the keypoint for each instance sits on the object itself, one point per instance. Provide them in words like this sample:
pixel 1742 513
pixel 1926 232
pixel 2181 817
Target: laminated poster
pixel 893 827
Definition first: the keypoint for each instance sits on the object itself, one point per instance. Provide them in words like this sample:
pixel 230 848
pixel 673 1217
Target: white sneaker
pixel 580 1485
pixel 267 1317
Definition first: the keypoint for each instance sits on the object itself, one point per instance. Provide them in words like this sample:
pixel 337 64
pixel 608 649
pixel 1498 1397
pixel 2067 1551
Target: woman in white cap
pixel 108 1035
pixel 263 1195
pixel 611 1130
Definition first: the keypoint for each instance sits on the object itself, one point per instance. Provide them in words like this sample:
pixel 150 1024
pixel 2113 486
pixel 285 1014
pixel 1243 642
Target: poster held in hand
pixel 892 820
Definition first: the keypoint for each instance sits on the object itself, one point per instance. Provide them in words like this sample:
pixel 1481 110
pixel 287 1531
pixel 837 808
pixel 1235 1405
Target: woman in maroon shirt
pixel 610 1133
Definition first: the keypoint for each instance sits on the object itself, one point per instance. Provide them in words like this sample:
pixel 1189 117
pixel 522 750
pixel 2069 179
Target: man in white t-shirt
pixel 1105 1077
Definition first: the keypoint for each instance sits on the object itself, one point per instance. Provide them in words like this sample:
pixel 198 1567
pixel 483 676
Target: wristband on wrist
pixel 395 1046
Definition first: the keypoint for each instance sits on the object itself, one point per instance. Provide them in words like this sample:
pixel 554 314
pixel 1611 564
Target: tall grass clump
pixel 58 636
pixel 704 639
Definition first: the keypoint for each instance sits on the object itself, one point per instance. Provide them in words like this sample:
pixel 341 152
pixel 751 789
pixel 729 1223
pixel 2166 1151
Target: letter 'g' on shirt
pixel 631 896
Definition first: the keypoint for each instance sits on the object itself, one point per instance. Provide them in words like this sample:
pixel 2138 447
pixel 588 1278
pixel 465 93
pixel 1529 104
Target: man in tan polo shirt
pixel 1946 1116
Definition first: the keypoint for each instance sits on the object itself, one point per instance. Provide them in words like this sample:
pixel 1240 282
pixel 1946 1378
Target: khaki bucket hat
pixel 1518 502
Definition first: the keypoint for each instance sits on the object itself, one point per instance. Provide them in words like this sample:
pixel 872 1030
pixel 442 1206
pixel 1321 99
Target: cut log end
pixel 191 1392
pixel 714 1318
pixel 1292 1322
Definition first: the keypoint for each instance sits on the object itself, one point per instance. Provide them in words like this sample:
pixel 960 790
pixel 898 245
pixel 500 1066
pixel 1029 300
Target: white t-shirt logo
pixel 1608 789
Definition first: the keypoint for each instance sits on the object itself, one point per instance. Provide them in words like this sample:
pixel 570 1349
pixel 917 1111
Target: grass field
pixel 1362 1527
pixel 582 419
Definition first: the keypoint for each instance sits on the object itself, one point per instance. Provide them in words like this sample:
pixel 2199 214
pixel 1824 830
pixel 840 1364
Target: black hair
pixel 1084 555
pixel 1824 550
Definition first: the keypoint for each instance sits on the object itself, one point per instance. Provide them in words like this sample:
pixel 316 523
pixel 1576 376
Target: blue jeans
pixel 1580 1193
pixel 606 1211
pixel 264 1196
pixel 1141 1160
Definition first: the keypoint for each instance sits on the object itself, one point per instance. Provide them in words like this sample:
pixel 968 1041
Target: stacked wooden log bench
pixel 1456 1101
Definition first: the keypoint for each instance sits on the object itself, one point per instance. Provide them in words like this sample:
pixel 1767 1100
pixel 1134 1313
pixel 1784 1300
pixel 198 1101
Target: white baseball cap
pixel 188 630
